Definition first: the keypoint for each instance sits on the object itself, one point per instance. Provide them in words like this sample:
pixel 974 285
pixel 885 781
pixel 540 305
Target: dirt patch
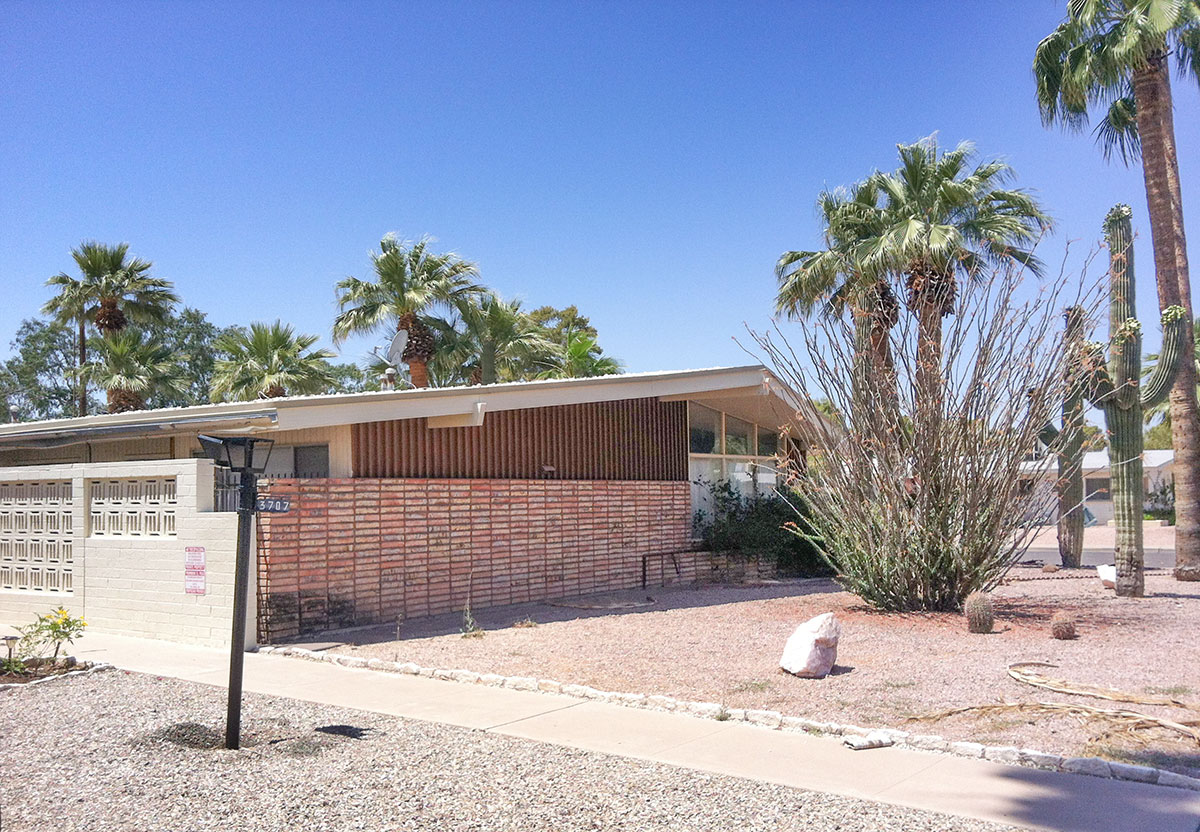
pixel 723 644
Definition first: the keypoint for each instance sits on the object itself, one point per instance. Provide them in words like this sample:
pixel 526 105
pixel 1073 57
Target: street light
pixel 247 456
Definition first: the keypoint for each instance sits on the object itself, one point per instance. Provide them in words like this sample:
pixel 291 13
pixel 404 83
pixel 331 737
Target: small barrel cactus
pixel 1062 626
pixel 978 608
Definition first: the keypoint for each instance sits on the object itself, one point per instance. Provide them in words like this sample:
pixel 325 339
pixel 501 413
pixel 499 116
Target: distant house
pixel 1157 468
pixel 403 503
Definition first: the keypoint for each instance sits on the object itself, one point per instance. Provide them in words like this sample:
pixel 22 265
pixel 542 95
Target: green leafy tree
pixel 36 382
pixel 410 283
pixel 561 324
pixel 268 361
pixel 131 367
pixel 1115 56
pixel 192 336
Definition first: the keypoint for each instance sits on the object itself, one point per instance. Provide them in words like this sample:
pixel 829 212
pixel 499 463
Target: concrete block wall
pixel 365 551
pixel 132 585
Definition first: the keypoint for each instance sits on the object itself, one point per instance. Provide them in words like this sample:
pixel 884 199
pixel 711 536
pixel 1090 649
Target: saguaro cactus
pixel 1116 390
pixel 1070 450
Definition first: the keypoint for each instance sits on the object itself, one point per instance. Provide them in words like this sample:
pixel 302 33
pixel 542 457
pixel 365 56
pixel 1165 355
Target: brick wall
pixel 367 551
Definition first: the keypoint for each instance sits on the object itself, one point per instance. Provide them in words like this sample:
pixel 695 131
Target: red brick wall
pixel 368 551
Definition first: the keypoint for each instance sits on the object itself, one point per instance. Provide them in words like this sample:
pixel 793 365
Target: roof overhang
pixel 749 392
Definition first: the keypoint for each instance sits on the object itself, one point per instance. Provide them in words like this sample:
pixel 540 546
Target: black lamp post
pixel 247 456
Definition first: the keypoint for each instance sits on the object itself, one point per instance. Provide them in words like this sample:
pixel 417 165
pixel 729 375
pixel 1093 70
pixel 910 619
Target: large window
pixel 724 447
pixel 1097 488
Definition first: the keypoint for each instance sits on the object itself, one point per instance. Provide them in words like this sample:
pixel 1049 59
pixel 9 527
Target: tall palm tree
pixel 582 358
pixel 410 282
pixel 942 219
pixel 502 340
pixel 1115 55
pixel 268 361
pixel 109 279
pixel 835 278
pixel 130 367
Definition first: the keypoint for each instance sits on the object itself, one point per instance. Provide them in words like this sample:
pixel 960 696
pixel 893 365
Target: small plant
pixel 52 630
pixel 12 667
pixel 723 715
pixel 470 627
pixel 525 623
pixel 978 609
pixel 1062 626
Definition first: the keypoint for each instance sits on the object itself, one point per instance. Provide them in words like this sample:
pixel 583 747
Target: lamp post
pixel 247 456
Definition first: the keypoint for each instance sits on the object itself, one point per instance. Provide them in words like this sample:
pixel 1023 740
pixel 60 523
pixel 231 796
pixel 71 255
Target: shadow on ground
pixel 629 602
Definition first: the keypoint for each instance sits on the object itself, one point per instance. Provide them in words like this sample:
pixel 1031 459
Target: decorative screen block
pixel 36 536
pixel 132 508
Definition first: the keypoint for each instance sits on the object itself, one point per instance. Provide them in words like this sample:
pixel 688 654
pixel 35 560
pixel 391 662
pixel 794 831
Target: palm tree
pixel 582 358
pixel 502 340
pixel 130 367
pixel 410 283
pixel 941 220
pixel 1115 55
pixel 108 279
pixel 268 361
pixel 834 279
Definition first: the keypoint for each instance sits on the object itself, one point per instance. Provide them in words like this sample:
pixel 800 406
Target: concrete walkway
pixel 954 785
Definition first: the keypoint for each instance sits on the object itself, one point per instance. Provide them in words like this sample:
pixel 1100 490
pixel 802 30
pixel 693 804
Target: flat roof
pixel 466 401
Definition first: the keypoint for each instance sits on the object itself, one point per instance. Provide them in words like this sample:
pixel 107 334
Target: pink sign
pixel 194 570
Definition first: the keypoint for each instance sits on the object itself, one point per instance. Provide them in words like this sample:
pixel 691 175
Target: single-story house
pixel 403 503
pixel 1158 468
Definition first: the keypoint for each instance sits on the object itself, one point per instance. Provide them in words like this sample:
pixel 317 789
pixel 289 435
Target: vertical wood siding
pixel 638 439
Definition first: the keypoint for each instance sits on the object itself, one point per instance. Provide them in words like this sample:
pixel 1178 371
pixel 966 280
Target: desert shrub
pixel 760 525
pixel 1062 626
pixel 916 491
pixel 48 633
pixel 1160 502
pixel 980 615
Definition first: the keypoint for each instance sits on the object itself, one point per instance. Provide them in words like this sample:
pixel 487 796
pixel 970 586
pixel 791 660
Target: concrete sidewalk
pixel 954 785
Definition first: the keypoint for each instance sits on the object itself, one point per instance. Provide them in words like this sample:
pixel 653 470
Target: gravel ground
pixel 723 644
pixel 122 751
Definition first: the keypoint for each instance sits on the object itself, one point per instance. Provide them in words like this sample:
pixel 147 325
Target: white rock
pixel 1177 781
pixel 812 649
pixel 1139 774
pixel 1086 765
pixel 1108 574
pixel 967 749
pixel 769 719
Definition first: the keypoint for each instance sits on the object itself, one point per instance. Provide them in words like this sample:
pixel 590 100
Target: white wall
pixel 134 585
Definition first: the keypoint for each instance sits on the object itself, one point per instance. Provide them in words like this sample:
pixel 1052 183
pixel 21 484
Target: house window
pixel 704 430
pixel 298 461
pixel 1098 488
pixel 739 436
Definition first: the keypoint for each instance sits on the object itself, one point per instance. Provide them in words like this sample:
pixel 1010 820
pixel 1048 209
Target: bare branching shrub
pixel 923 492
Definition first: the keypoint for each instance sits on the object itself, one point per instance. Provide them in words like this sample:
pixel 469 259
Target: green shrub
pixel 49 632
pixel 762 525
pixel 1160 502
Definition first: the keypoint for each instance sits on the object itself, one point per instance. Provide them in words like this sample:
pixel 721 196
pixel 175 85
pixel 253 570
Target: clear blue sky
pixel 645 161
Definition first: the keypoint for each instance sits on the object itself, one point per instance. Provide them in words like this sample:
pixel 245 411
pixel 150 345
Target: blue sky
pixel 645 161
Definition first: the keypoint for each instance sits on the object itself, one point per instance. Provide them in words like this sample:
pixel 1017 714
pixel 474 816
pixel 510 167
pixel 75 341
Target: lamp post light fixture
pixel 246 456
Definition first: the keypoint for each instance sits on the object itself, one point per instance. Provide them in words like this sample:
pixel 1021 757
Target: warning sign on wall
pixel 194 570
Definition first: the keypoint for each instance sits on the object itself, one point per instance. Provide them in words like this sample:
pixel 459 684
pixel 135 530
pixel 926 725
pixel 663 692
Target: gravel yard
pixel 121 751
pixel 723 644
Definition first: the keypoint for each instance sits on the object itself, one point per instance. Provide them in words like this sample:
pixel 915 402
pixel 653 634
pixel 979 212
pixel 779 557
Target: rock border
pixel 84 671
pixel 1011 755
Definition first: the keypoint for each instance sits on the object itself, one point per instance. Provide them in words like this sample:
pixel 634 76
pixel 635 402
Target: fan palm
pixel 130 367
pixel 1115 56
pixel 503 341
pixel 410 282
pixel 835 278
pixel 582 358
pixel 109 279
pixel 941 219
pixel 268 361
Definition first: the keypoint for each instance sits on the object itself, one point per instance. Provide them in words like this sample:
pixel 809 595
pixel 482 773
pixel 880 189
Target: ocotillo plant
pixel 1115 389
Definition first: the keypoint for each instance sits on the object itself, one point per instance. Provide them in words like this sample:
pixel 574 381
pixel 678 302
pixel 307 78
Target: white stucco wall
pixel 134 585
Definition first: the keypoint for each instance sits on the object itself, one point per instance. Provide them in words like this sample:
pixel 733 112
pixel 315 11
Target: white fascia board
pixel 468 401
